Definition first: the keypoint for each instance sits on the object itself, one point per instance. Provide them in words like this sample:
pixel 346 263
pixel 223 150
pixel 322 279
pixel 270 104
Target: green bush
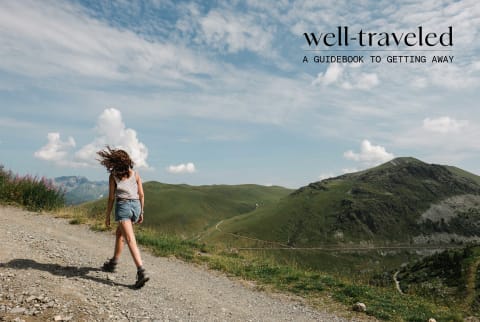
pixel 33 193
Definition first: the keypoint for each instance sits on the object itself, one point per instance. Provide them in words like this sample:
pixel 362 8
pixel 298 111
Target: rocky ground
pixel 49 271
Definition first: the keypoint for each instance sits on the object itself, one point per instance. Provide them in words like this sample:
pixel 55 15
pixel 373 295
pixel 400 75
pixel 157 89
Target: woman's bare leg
pixel 118 244
pixel 127 232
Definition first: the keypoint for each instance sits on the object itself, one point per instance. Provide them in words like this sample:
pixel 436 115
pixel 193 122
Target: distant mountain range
pixel 80 189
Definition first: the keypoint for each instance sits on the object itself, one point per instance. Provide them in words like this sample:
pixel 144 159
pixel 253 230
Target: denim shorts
pixel 127 210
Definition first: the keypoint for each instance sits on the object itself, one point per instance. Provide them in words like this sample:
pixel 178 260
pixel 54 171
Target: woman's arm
pixel 141 196
pixel 111 199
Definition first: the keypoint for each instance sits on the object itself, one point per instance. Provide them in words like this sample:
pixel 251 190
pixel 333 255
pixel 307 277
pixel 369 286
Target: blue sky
pixel 210 92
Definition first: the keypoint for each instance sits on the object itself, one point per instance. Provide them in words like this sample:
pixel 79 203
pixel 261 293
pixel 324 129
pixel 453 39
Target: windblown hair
pixel 116 161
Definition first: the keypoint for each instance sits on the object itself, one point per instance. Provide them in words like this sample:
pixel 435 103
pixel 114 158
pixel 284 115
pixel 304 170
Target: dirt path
pixel 397 283
pixel 49 271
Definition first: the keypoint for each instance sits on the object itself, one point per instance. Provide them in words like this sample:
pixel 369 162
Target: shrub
pixel 33 193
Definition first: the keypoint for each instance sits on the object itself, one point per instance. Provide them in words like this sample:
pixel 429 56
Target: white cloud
pixel 369 154
pixel 347 77
pixel 182 168
pixel 443 139
pixel 367 80
pixel 233 32
pixel 55 150
pixel 59 38
pixel 444 125
pixel 453 76
pixel 331 75
pixel 110 130
pixel 226 29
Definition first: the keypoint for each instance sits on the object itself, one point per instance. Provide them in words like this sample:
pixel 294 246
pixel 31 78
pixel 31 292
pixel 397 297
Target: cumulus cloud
pixel 55 150
pixel 369 154
pixel 331 75
pixel 182 168
pixel 346 77
pixel 110 130
pixel 444 124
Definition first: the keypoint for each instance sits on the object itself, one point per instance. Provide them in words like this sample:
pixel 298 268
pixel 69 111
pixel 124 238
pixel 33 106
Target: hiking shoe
pixel 109 266
pixel 142 278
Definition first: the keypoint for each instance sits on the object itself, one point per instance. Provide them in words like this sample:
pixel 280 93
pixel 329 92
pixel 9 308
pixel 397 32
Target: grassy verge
pixel 384 303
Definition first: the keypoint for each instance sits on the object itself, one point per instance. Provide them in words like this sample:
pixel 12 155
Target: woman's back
pixel 127 188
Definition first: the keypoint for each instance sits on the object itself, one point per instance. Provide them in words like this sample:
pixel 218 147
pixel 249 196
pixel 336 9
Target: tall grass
pixel 33 193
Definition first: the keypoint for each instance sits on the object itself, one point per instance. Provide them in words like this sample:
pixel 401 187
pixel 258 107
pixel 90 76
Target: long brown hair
pixel 116 161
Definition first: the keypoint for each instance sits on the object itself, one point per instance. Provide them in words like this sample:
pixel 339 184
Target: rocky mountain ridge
pixel 79 189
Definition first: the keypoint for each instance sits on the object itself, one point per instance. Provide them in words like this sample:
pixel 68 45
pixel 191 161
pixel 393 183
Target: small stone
pixel 30 298
pixel 18 310
pixel 359 307
pixel 57 318
pixel 432 320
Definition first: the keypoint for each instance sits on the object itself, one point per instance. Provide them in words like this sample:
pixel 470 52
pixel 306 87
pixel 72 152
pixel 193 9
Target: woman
pixel 125 188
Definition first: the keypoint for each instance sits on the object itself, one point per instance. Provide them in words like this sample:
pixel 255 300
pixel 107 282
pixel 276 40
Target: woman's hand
pixel 107 221
pixel 140 219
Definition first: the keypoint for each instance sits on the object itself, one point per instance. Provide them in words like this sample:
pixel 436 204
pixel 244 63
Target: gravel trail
pixel 49 271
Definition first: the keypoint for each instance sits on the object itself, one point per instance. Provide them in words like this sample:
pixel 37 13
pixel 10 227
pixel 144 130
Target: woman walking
pixel 126 191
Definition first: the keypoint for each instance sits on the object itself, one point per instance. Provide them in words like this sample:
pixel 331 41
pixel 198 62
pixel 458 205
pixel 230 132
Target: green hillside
pixel 449 278
pixel 389 203
pixel 188 210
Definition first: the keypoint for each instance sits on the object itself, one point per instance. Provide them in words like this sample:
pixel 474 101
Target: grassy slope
pixel 448 278
pixel 464 173
pixel 189 210
pixel 381 204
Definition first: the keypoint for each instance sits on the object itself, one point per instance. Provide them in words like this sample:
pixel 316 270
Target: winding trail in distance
pixel 397 282
pixel 333 247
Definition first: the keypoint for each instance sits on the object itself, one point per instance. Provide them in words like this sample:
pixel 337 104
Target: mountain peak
pixel 405 160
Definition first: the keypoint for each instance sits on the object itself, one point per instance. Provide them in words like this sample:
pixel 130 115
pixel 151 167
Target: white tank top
pixel 127 188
